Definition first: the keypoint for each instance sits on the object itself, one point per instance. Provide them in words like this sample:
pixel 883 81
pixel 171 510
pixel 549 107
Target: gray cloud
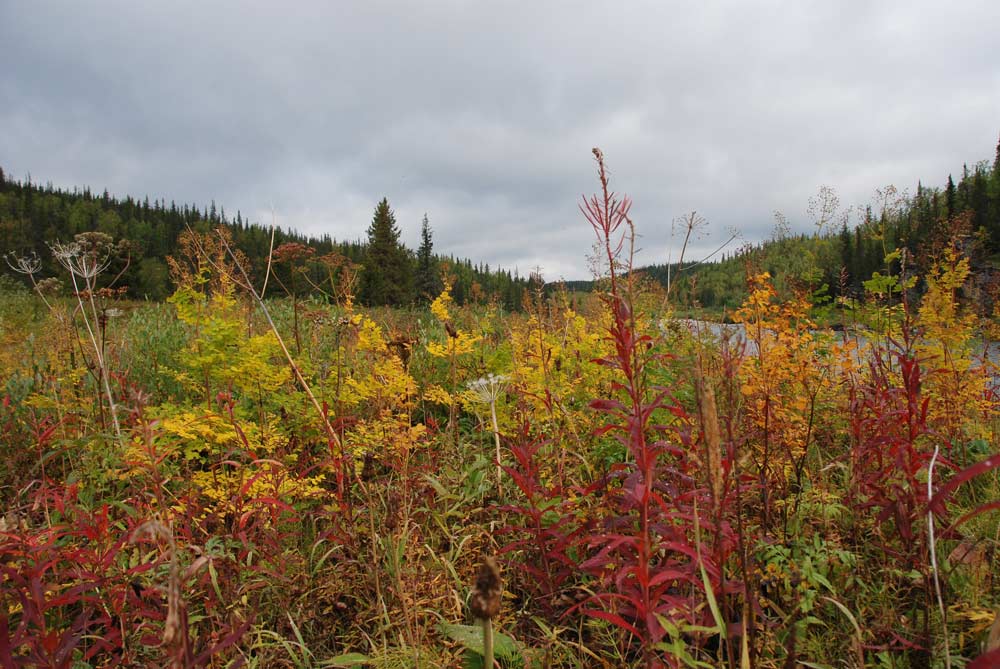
pixel 484 117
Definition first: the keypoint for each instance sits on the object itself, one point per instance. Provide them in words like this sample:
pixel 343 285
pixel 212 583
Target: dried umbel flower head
pixel 485 602
pixel 81 260
pixel 488 388
pixel 29 264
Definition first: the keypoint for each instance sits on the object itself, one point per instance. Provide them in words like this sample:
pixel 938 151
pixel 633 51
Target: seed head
pixel 487 389
pixel 80 259
pixel 29 264
pixel 485 602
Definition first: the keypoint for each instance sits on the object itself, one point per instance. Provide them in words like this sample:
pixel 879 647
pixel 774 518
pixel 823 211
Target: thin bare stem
pixel 281 342
pixel 487 390
pixel 270 256
pixel 28 265
pixel 487 643
pixel 496 437
pixel 934 563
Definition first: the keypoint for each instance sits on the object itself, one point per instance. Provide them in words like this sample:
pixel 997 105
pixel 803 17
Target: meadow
pixel 220 480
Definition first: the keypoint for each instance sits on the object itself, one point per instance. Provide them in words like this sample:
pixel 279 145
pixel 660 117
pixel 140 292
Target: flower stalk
pixel 485 603
pixel 487 390
pixel 85 262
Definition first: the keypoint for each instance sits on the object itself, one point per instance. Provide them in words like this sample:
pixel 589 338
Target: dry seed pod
pixel 485 602
pixel 710 427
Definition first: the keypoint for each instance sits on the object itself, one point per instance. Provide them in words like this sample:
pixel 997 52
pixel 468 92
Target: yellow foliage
pixel 258 365
pixel 786 377
pixel 194 433
pixel 388 433
pixel 216 333
pixel 457 342
pixel 370 337
pixel 956 387
pixel 440 305
pixel 438 395
pixel 379 376
pixel 554 370
pixel 245 485
pixel 386 382
pixel 193 437
pixel 944 324
pixel 454 346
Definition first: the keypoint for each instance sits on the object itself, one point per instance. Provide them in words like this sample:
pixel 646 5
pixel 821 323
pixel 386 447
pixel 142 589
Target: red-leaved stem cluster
pixel 647 553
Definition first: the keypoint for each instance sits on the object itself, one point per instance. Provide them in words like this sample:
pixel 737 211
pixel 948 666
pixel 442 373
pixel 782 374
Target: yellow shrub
pixel 955 385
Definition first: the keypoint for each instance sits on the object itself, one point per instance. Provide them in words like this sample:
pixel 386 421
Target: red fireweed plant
pixel 660 576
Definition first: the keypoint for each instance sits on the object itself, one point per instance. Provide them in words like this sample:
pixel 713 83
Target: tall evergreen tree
pixel 996 160
pixel 387 277
pixel 427 281
pixel 950 200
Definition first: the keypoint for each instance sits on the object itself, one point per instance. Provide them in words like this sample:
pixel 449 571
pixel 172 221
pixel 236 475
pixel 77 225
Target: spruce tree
pixel 427 282
pixel 386 278
pixel 950 200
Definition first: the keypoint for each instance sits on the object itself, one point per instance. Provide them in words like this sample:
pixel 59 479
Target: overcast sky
pixel 483 114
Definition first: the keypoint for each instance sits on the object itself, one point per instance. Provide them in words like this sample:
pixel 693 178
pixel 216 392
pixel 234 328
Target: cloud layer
pixel 483 116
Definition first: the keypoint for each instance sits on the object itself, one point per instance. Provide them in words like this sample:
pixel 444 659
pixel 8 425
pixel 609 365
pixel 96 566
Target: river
pixel 737 333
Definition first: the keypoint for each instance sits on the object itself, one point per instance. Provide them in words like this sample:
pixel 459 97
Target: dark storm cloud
pixel 484 116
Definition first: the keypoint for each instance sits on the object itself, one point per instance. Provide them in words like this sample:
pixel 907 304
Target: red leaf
pixel 607 405
pixel 667 575
pixel 937 502
pixel 231 639
pixel 6 659
pixel 986 660
pixel 613 618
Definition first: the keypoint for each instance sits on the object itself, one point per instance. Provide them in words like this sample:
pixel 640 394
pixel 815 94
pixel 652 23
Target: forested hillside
pixel 847 248
pixel 147 233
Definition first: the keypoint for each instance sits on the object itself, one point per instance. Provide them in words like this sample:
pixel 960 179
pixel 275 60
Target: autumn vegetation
pixel 233 477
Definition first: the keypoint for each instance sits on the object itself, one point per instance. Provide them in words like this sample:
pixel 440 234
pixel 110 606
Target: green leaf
pixel 214 575
pixel 720 622
pixel 351 660
pixel 822 580
pixel 471 636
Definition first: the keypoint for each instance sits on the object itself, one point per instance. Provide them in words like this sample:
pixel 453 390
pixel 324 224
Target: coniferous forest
pixel 845 248
pixel 146 234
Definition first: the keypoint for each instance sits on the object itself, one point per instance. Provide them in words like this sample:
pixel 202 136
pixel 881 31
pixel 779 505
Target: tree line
pixel 834 261
pixel 848 248
pixel 382 270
